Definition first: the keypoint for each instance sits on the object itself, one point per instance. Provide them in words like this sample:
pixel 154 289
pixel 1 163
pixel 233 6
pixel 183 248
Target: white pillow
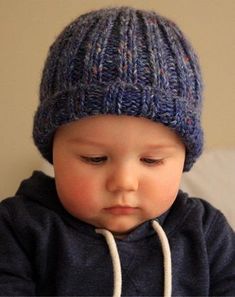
pixel 213 179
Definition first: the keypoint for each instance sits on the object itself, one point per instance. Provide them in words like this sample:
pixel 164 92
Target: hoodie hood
pixel 41 189
pixel 32 189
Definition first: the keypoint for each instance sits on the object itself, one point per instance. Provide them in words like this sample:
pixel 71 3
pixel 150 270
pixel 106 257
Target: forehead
pixel 113 129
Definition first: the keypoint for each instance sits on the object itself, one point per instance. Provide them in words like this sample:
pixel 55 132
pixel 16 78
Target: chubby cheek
pixel 161 195
pixel 77 194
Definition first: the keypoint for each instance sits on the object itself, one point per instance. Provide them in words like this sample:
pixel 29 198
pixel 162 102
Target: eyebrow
pixel 100 144
pixel 160 146
pixel 86 142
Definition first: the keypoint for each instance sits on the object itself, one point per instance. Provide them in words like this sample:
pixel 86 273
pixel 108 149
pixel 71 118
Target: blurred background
pixel 28 27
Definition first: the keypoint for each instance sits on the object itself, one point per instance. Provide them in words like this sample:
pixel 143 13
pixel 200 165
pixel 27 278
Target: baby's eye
pixel 150 161
pixel 94 160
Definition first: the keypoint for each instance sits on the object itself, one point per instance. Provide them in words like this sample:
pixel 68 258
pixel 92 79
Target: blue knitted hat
pixel 121 61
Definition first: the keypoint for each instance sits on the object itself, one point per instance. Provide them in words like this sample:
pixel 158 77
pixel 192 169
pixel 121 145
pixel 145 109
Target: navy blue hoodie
pixel 45 251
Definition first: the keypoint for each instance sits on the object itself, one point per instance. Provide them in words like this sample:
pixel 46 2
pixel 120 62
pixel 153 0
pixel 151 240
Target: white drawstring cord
pixel 167 258
pixel 117 266
pixel 117 274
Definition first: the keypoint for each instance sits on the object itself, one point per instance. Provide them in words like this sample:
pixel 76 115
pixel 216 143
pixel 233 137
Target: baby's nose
pixel 123 178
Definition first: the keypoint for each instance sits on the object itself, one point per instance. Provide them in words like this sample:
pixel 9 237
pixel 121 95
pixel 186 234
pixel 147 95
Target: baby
pixel 119 119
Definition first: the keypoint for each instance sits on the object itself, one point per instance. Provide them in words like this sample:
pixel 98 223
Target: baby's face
pixel 115 172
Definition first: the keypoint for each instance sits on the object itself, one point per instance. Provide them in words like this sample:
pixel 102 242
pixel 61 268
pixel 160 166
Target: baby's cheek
pixel 158 198
pixel 78 197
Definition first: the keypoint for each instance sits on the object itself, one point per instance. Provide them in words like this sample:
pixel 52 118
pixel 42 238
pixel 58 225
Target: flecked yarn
pixel 121 61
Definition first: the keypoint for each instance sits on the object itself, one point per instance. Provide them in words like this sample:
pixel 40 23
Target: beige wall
pixel 28 27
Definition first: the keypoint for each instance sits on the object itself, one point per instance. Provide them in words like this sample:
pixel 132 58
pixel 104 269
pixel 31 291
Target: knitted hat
pixel 121 61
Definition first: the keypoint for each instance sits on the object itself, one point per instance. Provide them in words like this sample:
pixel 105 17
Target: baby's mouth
pixel 121 210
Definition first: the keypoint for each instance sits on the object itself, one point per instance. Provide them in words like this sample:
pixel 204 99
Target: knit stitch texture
pixel 121 61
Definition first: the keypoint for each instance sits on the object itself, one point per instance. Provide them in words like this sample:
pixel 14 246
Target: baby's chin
pixel 122 232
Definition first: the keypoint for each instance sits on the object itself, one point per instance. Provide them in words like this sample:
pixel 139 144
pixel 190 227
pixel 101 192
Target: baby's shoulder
pixel 197 213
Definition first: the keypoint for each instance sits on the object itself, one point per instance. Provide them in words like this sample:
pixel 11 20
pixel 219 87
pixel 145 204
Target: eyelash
pixel 94 160
pixel 152 162
pixel 101 160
